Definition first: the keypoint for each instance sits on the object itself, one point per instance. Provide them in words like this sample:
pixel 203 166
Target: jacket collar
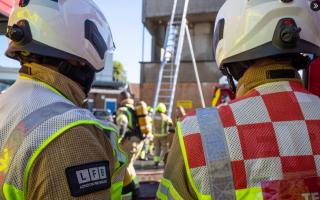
pixel 256 76
pixel 68 88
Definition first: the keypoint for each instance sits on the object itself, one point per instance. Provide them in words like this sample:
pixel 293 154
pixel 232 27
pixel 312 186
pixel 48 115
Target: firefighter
pixel 162 127
pixel 147 145
pixel 263 144
pixel 221 94
pixel 132 140
pixel 51 146
pixel 180 113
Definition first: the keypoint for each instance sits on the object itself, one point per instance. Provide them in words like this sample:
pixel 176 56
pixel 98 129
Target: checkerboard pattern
pixel 272 133
pixel 275 128
pixel 195 152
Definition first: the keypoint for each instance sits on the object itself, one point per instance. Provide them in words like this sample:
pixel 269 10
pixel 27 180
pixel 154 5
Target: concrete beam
pixel 8 74
pixel 153 9
pixel 208 72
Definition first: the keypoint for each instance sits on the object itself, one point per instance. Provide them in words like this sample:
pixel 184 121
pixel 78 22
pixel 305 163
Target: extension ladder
pixel 169 69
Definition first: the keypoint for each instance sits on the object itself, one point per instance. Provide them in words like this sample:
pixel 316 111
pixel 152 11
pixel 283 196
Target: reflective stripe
pixel 166 191
pixel 160 125
pixel 114 138
pixel 116 190
pixel 127 113
pixel 129 118
pixel 216 98
pixel 121 155
pixel 253 193
pixel 10 192
pixel 160 135
pixel 26 126
pixel 34 124
pixel 34 156
pixel 256 167
pixel 31 122
pixel 217 154
pixel 163 126
pixel 37 117
pixel 186 163
pixel 156 158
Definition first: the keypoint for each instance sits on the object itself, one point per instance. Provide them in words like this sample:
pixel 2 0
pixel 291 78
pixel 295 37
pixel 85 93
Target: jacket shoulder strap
pixel 206 154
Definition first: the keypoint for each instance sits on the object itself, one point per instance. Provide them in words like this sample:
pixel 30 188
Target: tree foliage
pixel 119 73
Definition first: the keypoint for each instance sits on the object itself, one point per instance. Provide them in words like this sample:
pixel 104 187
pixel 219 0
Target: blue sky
pixel 124 18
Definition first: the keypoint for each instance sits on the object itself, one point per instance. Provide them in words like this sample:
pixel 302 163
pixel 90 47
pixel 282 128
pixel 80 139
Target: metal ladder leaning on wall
pixel 170 63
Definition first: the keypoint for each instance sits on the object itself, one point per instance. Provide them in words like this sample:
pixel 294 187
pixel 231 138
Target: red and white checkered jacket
pixel 252 143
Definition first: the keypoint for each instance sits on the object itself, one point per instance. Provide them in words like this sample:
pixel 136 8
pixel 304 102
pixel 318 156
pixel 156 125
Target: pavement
pixel 149 177
pixel 146 171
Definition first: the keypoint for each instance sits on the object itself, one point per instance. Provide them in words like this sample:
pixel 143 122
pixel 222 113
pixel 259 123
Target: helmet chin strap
pixel 83 75
pixel 231 81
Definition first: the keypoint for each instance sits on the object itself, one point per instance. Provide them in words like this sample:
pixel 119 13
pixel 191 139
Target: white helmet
pixel 252 29
pixel 64 29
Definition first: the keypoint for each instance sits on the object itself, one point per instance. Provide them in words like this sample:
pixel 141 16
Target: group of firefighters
pixel 264 144
pixel 131 118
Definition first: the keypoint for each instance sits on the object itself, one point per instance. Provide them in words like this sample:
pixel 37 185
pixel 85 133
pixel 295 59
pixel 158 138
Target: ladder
pixel 177 28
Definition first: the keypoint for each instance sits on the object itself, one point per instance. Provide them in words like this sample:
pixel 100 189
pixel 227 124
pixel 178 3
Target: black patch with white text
pixel 88 178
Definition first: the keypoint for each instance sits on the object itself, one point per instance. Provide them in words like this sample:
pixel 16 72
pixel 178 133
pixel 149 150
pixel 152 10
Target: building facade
pixel 201 18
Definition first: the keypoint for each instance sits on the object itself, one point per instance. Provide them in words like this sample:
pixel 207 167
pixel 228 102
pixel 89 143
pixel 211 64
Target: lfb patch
pixel 88 178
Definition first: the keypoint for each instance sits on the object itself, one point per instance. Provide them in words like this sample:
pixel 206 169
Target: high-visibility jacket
pixel 32 121
pixel 127 113
pixel 264 145
pixel 162 125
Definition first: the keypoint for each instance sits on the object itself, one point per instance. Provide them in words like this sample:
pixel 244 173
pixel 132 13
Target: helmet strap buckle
pixel 226 72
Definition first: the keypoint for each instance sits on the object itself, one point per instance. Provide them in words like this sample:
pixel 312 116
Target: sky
pixel 124 18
